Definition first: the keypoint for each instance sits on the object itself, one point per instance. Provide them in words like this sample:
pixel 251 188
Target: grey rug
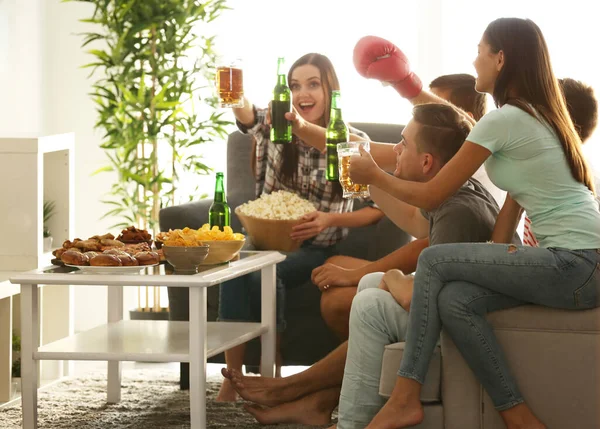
pixel 150 399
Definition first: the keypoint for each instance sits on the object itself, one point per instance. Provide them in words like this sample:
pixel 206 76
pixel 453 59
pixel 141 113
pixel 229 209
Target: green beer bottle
pixel 219 213
pixel 281 128
pixel 337 132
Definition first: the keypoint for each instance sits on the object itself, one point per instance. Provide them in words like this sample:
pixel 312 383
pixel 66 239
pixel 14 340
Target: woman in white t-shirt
pixel 532 151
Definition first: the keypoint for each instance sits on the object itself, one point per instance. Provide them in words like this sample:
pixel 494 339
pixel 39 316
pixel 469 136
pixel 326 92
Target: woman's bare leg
pixel 403 409
pixel 335 310
pixel 234 358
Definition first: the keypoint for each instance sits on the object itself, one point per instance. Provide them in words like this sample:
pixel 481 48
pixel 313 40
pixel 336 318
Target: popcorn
pixel 280 205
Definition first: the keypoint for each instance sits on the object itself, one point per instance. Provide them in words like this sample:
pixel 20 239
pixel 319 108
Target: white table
pixel 149 341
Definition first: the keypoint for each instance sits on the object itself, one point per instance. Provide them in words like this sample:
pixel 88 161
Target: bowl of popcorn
pixel 219 246
pixel 269 220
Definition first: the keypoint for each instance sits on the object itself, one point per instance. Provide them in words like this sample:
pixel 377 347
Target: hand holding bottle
pixel 297 121
pixel 281 129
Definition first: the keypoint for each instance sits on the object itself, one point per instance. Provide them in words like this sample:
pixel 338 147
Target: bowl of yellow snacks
pixel 224 245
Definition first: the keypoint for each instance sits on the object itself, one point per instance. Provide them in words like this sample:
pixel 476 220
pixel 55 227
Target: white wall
pixel 68 107
pixel 46 92
pixel 21 67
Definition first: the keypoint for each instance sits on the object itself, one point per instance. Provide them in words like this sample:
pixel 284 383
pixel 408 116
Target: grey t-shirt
pixel 466 217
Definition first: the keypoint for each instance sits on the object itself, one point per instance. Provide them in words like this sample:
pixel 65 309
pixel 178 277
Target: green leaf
pixel 153 97
pixel 104 169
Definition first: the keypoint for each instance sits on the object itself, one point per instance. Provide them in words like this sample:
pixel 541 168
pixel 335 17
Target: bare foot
pixel 396 416
pixel 227 393
pixel 403 409
pixel 261 390
pixel 314 409
pixel 400 286
pixel 521 417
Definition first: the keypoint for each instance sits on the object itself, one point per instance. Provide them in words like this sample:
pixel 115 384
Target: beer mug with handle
pixel 345 151
pixel 230 83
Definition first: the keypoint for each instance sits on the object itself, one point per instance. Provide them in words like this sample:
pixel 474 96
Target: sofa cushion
pixel 533 317
pixel 392 356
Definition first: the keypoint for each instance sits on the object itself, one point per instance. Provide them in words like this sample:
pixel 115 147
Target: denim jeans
pixel 457 284
pixel 239 299
pixel 376 320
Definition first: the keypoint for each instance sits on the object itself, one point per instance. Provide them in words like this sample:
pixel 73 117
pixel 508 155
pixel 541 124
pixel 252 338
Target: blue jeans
pixel 457 284
pixel 239 299
pixel 376 320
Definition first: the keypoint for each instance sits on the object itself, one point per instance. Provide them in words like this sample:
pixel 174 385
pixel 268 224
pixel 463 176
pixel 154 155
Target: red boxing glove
pixel 377 58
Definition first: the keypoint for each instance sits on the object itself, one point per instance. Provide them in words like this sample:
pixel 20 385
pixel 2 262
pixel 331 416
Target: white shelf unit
pixel 34 169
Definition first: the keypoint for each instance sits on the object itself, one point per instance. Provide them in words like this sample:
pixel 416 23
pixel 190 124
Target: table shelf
pixel 147 341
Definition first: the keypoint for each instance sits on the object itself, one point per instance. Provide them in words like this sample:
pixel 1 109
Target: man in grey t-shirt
pixel 429 141
pixel 467 216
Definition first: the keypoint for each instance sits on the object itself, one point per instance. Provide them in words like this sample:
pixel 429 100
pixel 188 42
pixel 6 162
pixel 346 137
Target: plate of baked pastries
pixel 104 254
pixel 110 261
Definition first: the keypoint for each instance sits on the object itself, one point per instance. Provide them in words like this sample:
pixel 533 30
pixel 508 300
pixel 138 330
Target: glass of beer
pixel 345 151
pixel 230 83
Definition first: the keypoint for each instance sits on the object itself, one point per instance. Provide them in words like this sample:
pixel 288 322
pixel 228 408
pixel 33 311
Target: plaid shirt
pixel 310 182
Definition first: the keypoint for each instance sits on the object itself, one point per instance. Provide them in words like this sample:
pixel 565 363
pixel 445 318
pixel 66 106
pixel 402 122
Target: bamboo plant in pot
pixel 155 98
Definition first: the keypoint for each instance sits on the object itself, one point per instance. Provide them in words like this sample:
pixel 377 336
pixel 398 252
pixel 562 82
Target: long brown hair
pixel 291 152
pixel 527 81
pixel 330 82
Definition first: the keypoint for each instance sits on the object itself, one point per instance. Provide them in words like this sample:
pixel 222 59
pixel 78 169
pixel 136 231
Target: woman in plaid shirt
pixel 297 168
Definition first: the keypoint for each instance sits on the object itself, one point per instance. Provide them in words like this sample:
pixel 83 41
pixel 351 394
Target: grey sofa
pixel 553 353
pixel 307 338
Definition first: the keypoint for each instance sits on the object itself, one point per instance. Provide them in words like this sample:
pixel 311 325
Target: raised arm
pixel 426 195
pixel 245 115
pixel 377 58
pixel 314 135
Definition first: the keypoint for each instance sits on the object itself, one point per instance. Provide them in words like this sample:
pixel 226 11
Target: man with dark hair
pixel 338 278
pixel 582 106
pixel 459 89
pixel 432 137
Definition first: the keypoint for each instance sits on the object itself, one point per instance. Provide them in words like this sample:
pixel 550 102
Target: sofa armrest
pixel 461 391
pixel 192 215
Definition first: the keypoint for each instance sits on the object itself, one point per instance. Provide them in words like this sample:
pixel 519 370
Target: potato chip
pixel 195 237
